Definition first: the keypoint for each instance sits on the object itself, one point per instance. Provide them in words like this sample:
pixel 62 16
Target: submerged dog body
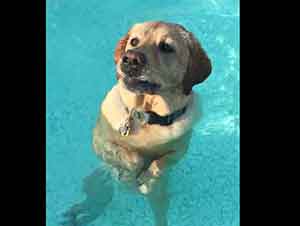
pixel 146 119
pixel 130 155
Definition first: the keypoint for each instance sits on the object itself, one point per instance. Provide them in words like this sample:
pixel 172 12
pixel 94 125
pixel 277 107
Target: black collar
pixel 165 120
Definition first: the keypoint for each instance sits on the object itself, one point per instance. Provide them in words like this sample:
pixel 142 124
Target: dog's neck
pixel 163 103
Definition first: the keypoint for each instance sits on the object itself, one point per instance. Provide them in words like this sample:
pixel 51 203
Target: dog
pixel 146 119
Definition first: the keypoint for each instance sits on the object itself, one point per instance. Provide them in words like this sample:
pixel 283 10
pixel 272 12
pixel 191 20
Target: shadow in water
pixel 98 188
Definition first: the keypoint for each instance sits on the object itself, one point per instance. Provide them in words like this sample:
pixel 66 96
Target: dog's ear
pixel 199 66
pixel 120 48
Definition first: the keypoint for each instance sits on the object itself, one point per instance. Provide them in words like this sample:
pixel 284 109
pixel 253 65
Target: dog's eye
pixel 165 47
pixel 134 42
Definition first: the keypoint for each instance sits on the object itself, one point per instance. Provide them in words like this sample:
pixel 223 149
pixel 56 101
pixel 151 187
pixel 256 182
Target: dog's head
pixel 156 56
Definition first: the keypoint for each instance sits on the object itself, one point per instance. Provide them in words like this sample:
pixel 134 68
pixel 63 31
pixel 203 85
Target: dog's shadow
pixel 98 189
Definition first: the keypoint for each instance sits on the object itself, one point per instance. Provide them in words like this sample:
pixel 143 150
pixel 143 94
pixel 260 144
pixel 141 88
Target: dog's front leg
pixel 148 178
pixel 159 201
pixel 161 163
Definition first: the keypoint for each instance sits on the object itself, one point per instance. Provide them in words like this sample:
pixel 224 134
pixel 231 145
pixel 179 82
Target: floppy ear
pixel 199 66
pixel 120 48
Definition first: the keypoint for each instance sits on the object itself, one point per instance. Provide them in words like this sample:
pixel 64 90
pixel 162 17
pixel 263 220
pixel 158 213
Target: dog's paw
pixel 143 177
pixel 143 181
pixel 154 169
pixel 152 172
pixel 81 220
pixel 80 214
pixel 147 179
pixel 147 187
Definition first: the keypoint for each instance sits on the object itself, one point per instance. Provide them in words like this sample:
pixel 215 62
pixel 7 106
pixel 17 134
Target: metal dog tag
pixel 138 116
pixel 125 128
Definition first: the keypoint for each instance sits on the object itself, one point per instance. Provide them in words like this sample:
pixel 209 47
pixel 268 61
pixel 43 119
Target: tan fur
pixel 149 150
pixel 149 136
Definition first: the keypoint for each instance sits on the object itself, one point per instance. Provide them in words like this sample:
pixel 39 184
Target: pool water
pixel 81 36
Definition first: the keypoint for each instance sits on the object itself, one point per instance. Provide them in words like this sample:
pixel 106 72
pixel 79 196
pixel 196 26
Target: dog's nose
pixel 134 59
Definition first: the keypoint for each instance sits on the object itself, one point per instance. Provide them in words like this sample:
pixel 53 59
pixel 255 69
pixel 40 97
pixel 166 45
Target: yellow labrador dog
pixel 146 119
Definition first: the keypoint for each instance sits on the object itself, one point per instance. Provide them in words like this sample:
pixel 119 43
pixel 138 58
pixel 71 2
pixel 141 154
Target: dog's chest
pixel 142 136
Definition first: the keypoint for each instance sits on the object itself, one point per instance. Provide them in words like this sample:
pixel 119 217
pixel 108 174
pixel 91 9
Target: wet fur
pixel 142 158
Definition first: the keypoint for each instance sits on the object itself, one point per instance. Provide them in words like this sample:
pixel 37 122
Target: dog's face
pixel 158 56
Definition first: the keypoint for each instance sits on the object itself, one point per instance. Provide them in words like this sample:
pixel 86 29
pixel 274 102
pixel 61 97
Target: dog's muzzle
pixel 132 63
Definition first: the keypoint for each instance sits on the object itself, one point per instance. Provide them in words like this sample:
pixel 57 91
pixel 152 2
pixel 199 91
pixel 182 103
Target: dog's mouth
pixel 140 86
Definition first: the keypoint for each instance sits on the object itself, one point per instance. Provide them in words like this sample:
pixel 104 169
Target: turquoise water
pixel 81 36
